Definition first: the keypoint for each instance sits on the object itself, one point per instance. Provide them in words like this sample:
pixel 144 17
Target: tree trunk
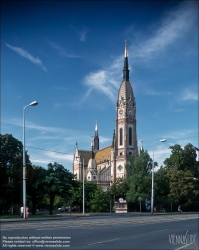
pixel 52 197
pixel 34 203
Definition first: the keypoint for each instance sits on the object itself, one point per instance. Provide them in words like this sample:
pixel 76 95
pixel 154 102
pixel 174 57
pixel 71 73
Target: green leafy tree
pixel 77 193
pixel 139 177
pixel 35 185
pixel 184 188
pixel 162 189
pixel 118 189
pixel 182 159
pixel 11 167
pixel 100 201
pixel 58 181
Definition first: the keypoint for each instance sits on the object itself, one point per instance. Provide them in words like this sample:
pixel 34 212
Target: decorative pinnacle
pixel 92 141
pixel 96 126
pixel 125 51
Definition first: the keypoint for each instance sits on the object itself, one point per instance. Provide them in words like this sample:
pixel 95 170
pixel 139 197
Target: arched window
pixel 130 136
pixel 121 136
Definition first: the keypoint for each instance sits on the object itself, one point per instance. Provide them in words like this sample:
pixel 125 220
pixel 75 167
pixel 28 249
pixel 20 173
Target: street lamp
pixel 83 185
pixel 152 188
pixel 24 160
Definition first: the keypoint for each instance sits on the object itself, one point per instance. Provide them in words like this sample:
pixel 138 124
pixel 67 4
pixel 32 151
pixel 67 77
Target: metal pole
pixel 24 160
pixel 152 188
pixel 83 190
pixel 140 205
pixel 24 167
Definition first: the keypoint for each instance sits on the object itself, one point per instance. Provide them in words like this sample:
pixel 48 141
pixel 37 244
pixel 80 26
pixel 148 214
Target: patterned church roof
pixel 103 154
pixel 86 154
pixel 126 91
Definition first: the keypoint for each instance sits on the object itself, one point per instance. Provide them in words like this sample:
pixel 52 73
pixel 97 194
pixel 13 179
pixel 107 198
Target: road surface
pixel 171 231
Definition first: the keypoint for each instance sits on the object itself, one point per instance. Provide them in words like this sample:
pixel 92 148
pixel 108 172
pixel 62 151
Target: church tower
pixel 107 164
pixel 125 134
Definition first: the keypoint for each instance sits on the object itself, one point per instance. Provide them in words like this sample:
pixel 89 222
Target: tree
pixel 100 201
pixel 11 167
pixel 161 188
pixel 35 185
pixel 182 159
pixel 184 188
pixel 139 177
pixel 118 189
pixel 77 193
pixel 58 181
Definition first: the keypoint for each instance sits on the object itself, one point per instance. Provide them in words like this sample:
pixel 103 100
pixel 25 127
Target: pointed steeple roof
pixel 96 139
pixel 92 153
pixel 96 129
pixel 126 67
pixel 126 90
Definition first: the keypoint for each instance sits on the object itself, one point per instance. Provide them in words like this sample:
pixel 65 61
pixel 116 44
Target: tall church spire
pixel 96 129
pixel 92 153
pixel 96 139
pixel 126 68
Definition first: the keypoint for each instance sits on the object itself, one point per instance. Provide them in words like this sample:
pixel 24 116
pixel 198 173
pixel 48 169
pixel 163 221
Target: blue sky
pixel 68 56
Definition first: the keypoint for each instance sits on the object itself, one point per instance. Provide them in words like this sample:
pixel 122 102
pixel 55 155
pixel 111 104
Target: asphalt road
pixel 176 231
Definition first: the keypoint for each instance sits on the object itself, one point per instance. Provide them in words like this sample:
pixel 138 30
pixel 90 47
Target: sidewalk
pixel 58 217
pixel 64 216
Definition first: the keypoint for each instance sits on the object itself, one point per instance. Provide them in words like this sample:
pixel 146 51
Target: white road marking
pixel 159 230
pixel 99 242
pixel 185 246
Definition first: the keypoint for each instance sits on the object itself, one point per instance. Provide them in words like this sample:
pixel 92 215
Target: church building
pixel 107 164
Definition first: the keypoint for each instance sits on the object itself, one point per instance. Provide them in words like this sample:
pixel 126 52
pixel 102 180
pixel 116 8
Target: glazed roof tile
pixel 103 154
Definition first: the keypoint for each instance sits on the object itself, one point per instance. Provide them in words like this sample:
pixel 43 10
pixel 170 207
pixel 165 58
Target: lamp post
pixel 24 160
pixel 152 185
pixel 83 201
pixel 83 189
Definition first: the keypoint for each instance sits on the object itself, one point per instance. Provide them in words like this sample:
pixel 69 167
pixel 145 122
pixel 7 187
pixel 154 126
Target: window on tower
pixel 130 136
pixel 121 136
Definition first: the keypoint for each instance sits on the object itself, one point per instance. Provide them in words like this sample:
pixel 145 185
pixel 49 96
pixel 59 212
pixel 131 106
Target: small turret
pixel 92 152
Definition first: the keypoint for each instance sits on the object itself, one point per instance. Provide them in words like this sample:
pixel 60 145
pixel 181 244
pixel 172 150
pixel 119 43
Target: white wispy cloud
pixel 101 81
pixel 58 156
pixel 46 133
pixel 180 134
pixel 161 152
pixel 61 51
pixel 189 94
pixel 104 139
pixel 81 33
pixel 27 55
pixel 30 125
pixel 174 25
